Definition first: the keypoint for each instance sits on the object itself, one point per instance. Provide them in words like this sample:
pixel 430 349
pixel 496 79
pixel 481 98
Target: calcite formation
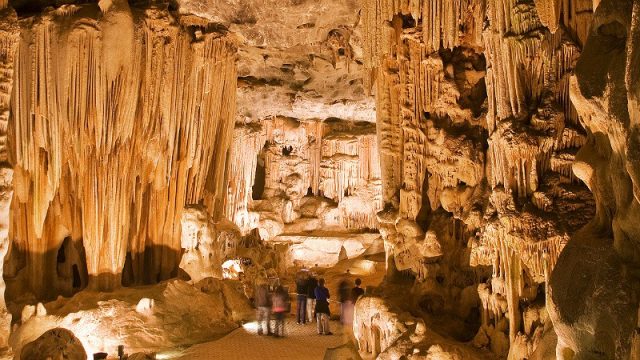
pixel 134 317
pixel 477 121
pixel 605 254
pixel 120 117
pixel 9 37
pixel 326 249
pixel 382 331
pixel 311 172
pixel 206 244
pixel 50 344
pixel 493 144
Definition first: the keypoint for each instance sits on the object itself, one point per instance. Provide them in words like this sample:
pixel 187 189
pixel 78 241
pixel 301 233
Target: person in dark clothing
pixel 322 308
pixel 357 291
pixel 344 296
pixel 312 283
pixel 263 307
pixel 280 305
pixel 301 291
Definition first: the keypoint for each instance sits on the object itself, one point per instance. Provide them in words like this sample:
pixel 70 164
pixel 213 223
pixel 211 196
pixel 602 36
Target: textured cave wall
pixel 595 311
pixel 297 58
pixel 534 137
pixel 430 107
pixel 503 127
pixel 8 45
pixel 120 116
pixel 299 69
pixel 475 123
pixel 292 161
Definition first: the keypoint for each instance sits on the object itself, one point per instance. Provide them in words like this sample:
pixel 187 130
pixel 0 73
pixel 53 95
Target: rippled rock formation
pixel 492 144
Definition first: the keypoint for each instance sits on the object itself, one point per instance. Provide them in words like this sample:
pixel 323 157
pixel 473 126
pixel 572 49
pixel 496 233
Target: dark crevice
pixel 260 178
pixel 287 150
pixel 77 280
pixel 252 80
pixel 34 7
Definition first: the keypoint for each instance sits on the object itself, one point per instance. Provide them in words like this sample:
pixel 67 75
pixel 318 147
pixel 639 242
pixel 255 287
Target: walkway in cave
pixel 300 342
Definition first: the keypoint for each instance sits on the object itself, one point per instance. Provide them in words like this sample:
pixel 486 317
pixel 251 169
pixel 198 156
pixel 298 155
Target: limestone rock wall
pixel 476 123
pixel 9 36
pixel 206 244
pixel 277 167
pixel 120 117
pixel 298 59
pixel 606 253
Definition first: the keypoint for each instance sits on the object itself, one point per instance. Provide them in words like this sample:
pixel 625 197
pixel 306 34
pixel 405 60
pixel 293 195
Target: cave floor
pixel 300 342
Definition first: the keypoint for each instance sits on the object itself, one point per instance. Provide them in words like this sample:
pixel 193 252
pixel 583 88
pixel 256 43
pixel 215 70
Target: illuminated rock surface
pixel 475 161
pixel 107 171
pixel 102 321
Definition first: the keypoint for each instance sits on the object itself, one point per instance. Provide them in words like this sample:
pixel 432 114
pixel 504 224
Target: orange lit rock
pixel 110 154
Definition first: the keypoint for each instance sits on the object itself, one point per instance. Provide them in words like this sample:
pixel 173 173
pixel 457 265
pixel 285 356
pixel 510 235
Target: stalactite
pixel 8 43
pixel 247 143
pixel 340 167
pixel 534 255
pixel 112 148
pixel 315 129
pixel 575 15
pixel 335 159
pixel 442 21
pixel 287 159
pixel 9 37
pixel 401 46
pixel 390 140
pixel 531 126
pixel 514 159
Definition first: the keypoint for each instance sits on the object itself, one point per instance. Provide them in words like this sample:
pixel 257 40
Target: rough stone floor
pixel 300 342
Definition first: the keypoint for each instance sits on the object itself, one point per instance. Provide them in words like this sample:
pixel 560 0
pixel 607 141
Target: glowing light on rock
pixel 232 268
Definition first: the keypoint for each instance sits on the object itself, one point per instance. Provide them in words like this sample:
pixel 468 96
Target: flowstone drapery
pixel 501 171
pixel 120 117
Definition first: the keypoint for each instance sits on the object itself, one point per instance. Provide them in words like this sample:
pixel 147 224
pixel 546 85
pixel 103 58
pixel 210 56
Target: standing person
pixel 322 308
pixel 344 296
pixel 263 306
pixel 302 284
pixel 312 283
pixel 357 291
pixel 280 301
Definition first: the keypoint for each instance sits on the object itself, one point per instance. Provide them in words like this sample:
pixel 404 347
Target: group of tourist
pixel 271 303
pixel 312 300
